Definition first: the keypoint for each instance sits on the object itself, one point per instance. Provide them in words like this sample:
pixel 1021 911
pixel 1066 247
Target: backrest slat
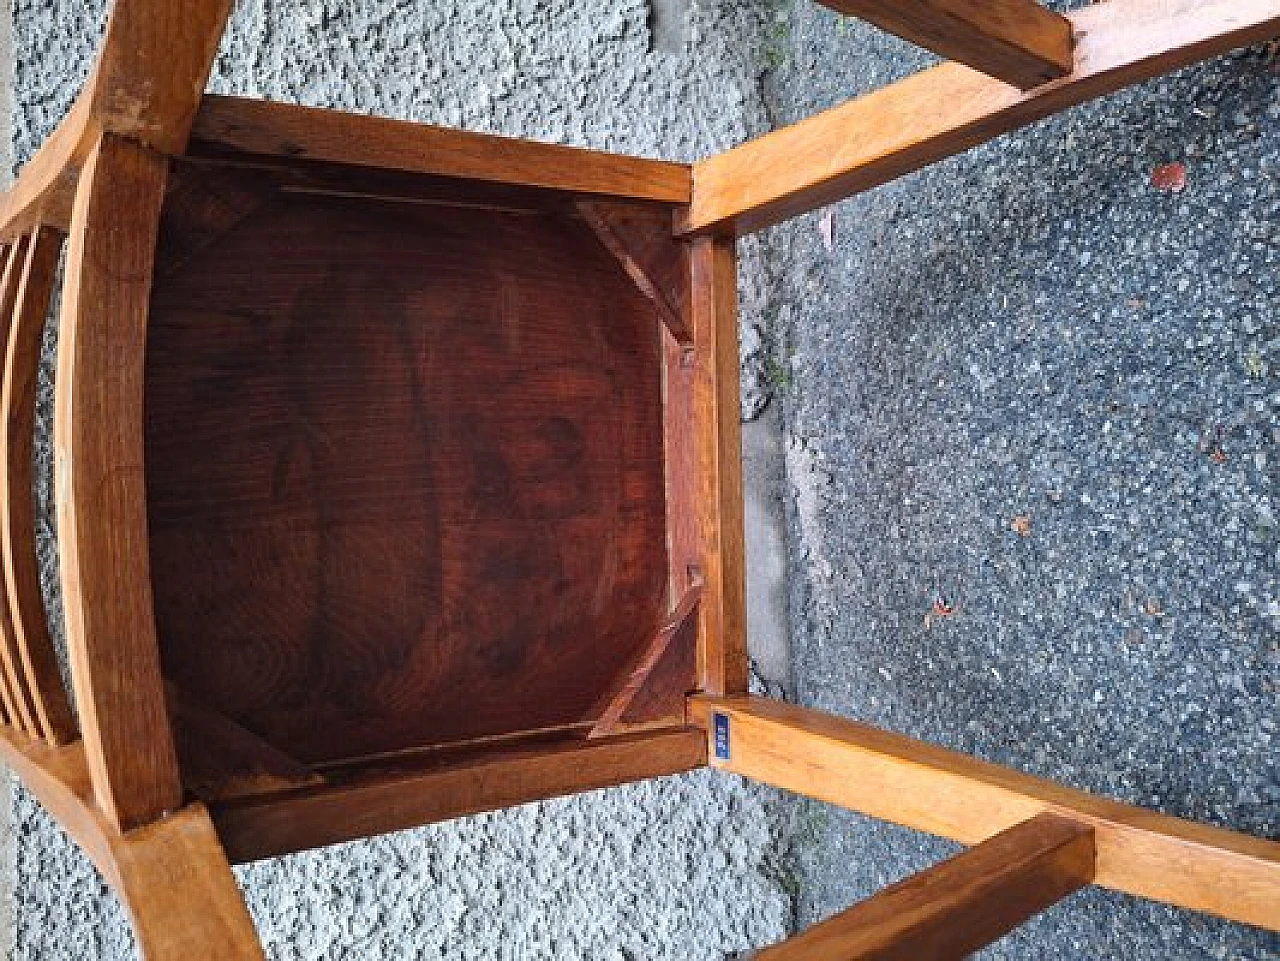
pixel 18 704
pixel 29 622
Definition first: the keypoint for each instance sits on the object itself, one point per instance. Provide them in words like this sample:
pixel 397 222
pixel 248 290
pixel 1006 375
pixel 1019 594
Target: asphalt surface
pixel 1031 414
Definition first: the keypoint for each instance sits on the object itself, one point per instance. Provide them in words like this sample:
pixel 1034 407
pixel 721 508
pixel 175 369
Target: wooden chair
pixel 397 476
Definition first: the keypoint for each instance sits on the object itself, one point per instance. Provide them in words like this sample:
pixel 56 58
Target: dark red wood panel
pixel 663 695
pixel 405 466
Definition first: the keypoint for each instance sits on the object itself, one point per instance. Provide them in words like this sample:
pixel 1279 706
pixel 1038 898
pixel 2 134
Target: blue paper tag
pixel 722 736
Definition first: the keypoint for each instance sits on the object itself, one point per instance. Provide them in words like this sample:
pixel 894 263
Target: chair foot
pixel 177 885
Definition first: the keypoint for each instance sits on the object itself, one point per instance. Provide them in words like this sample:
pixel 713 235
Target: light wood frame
pixel 115 781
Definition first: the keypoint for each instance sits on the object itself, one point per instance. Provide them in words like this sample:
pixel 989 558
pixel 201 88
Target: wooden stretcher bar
pixel 960 905
pixel 955 796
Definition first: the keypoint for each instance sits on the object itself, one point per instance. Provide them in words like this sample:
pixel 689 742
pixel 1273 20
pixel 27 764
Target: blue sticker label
pixel 722 736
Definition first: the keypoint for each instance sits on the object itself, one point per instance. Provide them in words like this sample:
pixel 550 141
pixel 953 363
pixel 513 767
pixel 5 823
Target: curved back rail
pixel 100 486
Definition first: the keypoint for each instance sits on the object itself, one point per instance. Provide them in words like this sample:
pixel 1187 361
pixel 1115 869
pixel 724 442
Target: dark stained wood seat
pixel 404 459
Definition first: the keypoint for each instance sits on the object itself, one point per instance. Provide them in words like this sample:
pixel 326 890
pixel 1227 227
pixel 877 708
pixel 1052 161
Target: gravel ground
pixel 1029 388
pixel 686 868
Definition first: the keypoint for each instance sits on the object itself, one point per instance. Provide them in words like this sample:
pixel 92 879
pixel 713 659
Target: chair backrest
pixel 31 689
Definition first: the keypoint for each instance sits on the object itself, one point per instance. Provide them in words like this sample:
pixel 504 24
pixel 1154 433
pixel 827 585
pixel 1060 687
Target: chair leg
pixel 172 874
pixel 177 885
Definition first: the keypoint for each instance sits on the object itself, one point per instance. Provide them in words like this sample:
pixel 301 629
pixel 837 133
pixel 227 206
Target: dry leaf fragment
pixel 1255 367
pixel 1171 177
pixel 1021 525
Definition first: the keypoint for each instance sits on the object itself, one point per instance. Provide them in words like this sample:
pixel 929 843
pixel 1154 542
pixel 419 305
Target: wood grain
pixel 37 659
pixel 146 85
pixel 963 904
pixel 19 703
pixel 8 715
pixel 398 799
pixel 58 777
pixel 640 238
pixel 229 126
pixel 932 789
pixel 1017 41
pixel 944 111
pixel 723 666
pixel 643 672
pixel 100 484
pixel 221 760
pixel 404 466
pixel 172 875
pixel 152 70
pixel 45 190
pixel 663 697
pixel 177 885
pixel 682 454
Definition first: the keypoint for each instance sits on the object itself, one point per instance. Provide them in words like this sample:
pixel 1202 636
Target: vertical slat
pixel 8 715
pixel 722 647
pixel 954 908
pixel 17 699
pixel 30 626
pixel 101 487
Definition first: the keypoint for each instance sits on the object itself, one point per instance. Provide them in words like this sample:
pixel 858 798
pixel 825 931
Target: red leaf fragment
pixel 1171 177
pixel 942 608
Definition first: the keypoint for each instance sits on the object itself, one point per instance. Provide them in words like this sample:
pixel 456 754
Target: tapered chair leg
pixel 177 885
